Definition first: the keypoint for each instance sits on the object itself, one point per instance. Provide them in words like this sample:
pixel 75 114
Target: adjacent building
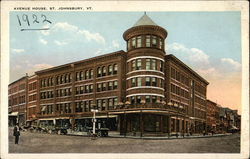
pixel 213 118
pixel 17 105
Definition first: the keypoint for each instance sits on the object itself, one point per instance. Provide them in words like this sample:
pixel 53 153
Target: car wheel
pixel 99 134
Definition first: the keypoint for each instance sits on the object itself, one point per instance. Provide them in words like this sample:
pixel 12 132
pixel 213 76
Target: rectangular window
pixel 147 40
pixel 153 99
pixel 138 41
pixel 104 104
pixel 154 44
pixel 154 82
pixel 147 64
pixel 161 66
pixel 133 42
pixel 147 99
pixel 86 88
pixel 110 102
pixel 139 81
pixel 153 64
pixel 115 101
pixel 115 85
pixel 148 83
pixel 115 69
pixel 178 76
pixel 133 100
pixel 129 41
pixel 138 64
pixel 87 106
pixel 91 88
pixel 133 65
pixel 173 73
pixel 161 83
pixel 99 86
pixel 133 82
pixel 99 104
pixel 161 44
pixel 81 90
pixel 103 86
pixel 110 85
pixel 138 99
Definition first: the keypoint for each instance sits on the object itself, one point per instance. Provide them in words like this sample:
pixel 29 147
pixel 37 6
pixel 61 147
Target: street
pixel 52 143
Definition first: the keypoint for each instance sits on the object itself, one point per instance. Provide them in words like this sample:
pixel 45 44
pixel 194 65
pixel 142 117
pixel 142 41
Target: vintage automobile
pixel 100 132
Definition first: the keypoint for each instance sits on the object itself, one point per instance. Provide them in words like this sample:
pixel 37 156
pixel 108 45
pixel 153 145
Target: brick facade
pixel 142 90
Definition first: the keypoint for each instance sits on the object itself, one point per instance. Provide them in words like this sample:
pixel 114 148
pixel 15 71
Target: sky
pixel 208 42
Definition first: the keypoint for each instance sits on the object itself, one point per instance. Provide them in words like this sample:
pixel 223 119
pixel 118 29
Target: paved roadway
pixel 51 143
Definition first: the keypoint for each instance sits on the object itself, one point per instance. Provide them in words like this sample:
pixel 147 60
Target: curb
pixel 167 138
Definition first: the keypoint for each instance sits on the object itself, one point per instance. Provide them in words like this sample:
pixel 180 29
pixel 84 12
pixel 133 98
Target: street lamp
pixel 94 110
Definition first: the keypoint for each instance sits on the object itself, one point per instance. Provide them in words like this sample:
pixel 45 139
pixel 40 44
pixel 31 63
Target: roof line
pixel 76 62
pixel 191 70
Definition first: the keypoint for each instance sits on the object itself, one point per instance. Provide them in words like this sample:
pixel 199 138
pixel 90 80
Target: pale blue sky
pixel 215 33
pixel 208 42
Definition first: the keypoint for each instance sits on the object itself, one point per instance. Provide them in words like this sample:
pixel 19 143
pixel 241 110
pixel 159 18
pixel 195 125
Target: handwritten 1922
pixel 31 21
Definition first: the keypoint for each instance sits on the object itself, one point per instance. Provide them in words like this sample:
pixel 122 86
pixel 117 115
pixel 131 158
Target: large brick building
pixel 141 90
pixel 213 116
pixel 17 94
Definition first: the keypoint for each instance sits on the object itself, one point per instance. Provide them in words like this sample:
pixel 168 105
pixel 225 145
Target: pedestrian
pixel 16 133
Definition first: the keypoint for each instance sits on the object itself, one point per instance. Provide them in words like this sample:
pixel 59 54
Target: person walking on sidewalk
pixel 16 133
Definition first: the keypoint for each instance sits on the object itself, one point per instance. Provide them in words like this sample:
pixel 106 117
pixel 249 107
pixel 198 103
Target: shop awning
pixel 104 116
pixel 14 114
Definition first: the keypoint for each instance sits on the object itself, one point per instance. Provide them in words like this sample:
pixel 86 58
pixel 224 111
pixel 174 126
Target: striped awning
pixel 13 114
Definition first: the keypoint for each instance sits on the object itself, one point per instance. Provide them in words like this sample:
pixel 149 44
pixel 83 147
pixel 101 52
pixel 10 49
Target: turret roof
pixel 145 20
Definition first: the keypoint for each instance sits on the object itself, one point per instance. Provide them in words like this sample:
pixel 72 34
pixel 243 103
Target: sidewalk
pixel 116 134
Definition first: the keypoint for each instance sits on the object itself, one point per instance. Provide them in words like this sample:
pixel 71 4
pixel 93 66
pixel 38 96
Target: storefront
pixel 13 118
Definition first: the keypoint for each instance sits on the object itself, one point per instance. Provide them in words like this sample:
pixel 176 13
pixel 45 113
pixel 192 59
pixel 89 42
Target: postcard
pixel 124 79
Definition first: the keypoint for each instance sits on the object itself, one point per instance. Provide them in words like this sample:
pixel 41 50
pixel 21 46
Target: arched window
pixel 77 76
pixel 86 74
pixel 115 68
pixel 81 75
pixel 91 73
pixel 110 70
pixel 66 78
pixel 62 79
pixel 70 77
pixel 103 71
pixel 99 72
